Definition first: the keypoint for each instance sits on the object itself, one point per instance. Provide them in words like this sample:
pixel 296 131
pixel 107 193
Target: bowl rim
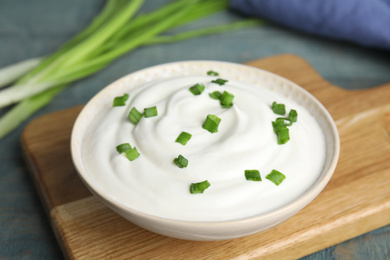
pixel 299 202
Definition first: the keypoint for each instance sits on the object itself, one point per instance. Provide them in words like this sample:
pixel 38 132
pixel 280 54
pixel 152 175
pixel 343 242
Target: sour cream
pixel 245 140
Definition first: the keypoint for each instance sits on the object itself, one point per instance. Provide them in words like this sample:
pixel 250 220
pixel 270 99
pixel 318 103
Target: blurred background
pixel 31 29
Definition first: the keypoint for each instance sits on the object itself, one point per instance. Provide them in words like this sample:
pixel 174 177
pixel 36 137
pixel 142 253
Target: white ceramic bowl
pixel 217 230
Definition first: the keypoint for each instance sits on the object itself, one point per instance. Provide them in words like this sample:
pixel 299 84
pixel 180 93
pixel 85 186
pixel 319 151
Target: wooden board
pixel 356 200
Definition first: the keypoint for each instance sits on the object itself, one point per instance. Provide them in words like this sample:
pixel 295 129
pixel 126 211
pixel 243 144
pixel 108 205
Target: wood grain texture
pixel 48 157
pixel 356 200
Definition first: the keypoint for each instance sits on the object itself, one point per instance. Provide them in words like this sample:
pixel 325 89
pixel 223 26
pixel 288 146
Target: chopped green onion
pixel 293 116
pixel 212 73
pixel 134 116
pixel 276 177
pixel 280 122
pixel 150 112
pixel 280 125
pixel 183 138
pixel 199 187
pixel 278 109
pixel 220 81
pixel 120 101
pixel 226 99
pixel 123 147
pixel 180 161
pixel 282 134
pixel 211 123
pixel 252 175
pixel 197 89
pixel 215 95
pixel 132 154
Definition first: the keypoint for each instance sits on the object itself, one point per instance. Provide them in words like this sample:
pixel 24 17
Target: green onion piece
pixel 293 116
pixel 276 125
pixel 280 125
pixel 134 116
pixel 197 89
pixel 183 138
pixel 252 175
pixel 280 122
pixel 132 154
pixel 212 73
pixel 276 177
pixel 226 99
pixel 282 134
pixel 123 147
pixel 120 101
pixel 281 130
pixel 220 81
pixel 215 95
pixel 150 112
pixel 211 123
pixel 180 161
pixel 278 109
pixel 199 187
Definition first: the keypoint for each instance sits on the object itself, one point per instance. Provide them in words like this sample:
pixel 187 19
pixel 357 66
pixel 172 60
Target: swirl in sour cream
pixel 245 140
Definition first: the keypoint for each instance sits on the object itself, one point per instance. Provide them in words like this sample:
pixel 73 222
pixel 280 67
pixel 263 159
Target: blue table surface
pixel 34 28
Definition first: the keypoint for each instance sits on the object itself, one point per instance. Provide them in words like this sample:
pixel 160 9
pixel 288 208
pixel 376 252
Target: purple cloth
pixel 365 22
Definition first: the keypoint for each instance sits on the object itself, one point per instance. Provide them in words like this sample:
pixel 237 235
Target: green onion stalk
pixel 118 29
